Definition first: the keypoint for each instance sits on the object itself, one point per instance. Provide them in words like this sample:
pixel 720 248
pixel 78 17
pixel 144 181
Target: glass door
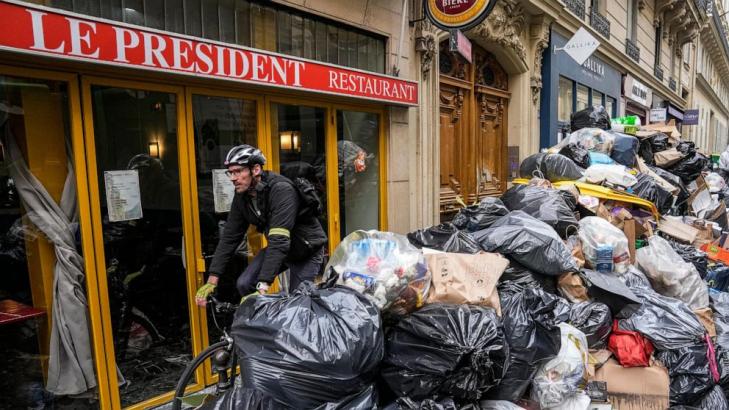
pixel 360 175
pixel 140 195
pixel 217 122
pixel 299 150
pixel 46 251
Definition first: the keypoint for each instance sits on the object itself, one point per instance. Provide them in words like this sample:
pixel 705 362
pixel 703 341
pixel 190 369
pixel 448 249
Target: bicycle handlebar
pixel 221 307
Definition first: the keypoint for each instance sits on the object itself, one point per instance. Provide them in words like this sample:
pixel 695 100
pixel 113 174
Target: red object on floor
pixel 12 312
pixel 631 349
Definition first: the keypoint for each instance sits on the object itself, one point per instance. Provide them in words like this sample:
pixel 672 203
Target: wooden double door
pixel 473 129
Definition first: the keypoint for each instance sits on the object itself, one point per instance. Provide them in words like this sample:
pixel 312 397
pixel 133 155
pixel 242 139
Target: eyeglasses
pixel 235 173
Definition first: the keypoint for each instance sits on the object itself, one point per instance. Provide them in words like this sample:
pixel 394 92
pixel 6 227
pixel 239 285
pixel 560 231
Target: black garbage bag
pixel 689 168
pixel 625 149
pixel 648 188
pixel 693 256
pixel 594 320
pixel 239 398
pixel 319 345
pixel 590 117
pixel 610 290
pixel 717 277
pixel 720 307
pixel 714 400
pixel 668 323
pixel 444 237
pixel 554 167
pixel 688 369
pixel 683 193
pixel 481 216
pixel 446 403
pixel 530 242
pixel 686 147
pixel 578 154
pixel 659 142
pixel 722 360
pixel 548 205
pixel 517 274
pixel 646 151
pixel 457 351
pixel 533 335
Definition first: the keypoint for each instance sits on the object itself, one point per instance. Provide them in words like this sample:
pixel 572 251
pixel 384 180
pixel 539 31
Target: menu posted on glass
pixel 223 191
pixel 123 198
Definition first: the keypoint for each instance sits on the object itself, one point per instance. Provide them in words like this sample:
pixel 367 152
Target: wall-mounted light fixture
pixel 290 140
pixel 154 149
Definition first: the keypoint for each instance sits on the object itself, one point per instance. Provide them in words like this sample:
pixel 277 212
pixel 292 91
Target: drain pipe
pixel 403 22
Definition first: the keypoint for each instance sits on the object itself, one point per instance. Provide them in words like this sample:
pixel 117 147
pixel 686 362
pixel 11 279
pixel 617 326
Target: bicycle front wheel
pixel 189 372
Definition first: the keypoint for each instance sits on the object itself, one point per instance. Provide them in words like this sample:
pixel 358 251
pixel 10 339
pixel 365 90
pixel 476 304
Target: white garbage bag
pixel 563 378
pixel 599 239
pixel 383 266
pixel 613 174
pixel 670 275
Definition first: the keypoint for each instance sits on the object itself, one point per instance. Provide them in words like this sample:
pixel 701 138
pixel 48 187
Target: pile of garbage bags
pixel 599 275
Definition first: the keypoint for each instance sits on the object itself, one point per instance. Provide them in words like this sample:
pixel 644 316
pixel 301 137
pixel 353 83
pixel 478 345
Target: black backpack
pixel 311 204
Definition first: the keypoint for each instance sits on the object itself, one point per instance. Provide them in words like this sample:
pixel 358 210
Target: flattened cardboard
pixel 678 230
pixel 635 388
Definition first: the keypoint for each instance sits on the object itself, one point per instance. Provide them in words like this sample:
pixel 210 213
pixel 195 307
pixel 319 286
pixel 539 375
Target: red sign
pixel 463 45
pixel 39 30
pixel 458 14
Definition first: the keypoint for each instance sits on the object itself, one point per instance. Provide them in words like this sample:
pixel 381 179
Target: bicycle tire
pixel 189 372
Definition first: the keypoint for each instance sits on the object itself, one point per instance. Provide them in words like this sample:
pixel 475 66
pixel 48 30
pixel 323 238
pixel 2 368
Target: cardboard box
pixel 635 388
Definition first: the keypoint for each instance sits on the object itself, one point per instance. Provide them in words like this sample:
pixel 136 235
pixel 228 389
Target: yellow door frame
pixel 187 225
pixel 383 135
pixel 84 152
pixel 331 154
pixel 190 135
pixel 82 194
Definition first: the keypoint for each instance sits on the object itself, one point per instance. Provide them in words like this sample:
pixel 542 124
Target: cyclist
pixel 271 203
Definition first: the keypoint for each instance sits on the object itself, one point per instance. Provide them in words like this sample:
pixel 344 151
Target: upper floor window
pixel 263 25
pixel 632 21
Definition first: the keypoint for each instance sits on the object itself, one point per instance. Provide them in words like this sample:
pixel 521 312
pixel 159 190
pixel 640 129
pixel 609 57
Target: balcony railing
pixel 632 50
pixel 672 84
pixel 658 72
pixel 600 23
pixel 577 7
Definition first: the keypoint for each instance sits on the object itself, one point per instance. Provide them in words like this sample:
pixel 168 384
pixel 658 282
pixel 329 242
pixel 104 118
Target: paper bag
pixel 706 317
pixel 571 287
pixel 466 279
pixel 668 157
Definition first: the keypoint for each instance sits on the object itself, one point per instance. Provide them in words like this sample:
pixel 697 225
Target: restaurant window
pixel 610 106
pixel 598 98
pixel 582 97
pixel 262 25
pixel 564 104
pixel 48 360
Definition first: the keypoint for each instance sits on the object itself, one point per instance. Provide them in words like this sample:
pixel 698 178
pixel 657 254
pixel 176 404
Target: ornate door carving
pixel 473 129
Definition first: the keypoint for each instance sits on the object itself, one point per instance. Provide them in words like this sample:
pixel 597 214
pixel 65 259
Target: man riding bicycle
pixel 270 202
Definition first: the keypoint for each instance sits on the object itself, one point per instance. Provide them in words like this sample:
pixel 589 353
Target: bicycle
pixel 223 358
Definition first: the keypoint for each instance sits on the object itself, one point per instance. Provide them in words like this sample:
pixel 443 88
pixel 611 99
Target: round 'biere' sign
pixel 457 14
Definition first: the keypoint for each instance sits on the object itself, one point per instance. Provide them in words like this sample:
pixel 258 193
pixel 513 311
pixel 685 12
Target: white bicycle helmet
pixel 245 155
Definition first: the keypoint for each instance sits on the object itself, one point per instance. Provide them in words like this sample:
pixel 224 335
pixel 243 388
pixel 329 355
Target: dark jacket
pixel 276 215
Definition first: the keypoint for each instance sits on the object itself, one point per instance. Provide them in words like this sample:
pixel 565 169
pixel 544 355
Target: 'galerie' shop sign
pixel 42 31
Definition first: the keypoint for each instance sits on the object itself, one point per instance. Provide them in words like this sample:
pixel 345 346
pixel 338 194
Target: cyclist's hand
pixel 201 298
